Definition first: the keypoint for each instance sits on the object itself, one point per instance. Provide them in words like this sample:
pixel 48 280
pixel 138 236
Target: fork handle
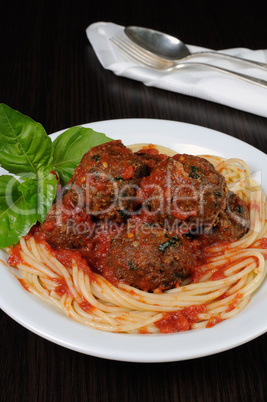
pixel 226 56
pixel 245 77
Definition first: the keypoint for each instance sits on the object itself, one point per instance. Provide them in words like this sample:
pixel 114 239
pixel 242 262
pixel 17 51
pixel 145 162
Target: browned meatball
pixel 184 189
pixel 150 157
pixel 233 223
pixel 106 181
pixel 66 225
pixel 148 258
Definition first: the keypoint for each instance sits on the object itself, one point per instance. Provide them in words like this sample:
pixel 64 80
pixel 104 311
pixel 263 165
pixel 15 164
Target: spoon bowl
pixel 171 48
pixel 161 44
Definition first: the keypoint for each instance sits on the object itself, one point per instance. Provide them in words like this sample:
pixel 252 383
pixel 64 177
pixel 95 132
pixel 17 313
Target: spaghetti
pixel 218 290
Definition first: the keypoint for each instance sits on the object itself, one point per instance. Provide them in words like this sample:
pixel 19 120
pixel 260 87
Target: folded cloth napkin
pixel 203 83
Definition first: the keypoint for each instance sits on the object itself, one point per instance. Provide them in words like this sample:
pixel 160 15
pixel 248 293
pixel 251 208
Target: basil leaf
pixel 175 240
pixel 23 204
pixel 70 146
pixel 24 144
pixel 40 192
pixel 16 214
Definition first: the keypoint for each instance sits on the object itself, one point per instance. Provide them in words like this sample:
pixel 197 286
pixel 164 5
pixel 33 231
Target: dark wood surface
pixel 49 71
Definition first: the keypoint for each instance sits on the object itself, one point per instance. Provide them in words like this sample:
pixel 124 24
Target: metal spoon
pixel 171 48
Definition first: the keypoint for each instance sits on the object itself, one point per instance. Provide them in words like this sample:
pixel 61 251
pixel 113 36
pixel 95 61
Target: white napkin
pixel 194 81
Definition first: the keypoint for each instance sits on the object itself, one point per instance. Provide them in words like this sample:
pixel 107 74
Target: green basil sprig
pixel 28 153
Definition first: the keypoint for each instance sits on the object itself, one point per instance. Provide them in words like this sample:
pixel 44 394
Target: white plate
pixel 56 327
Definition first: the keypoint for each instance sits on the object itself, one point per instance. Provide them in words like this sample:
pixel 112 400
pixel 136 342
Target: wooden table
pixel 49 71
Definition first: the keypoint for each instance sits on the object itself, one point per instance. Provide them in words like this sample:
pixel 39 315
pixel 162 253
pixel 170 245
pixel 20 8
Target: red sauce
pixel 62 288
pixel 23 283
pixel 218 275
pixel 191 313
pixel 264 242
pixel 151 156
pixel 143 217
pixel 172 322
pixel 79 175
pixel 197 274
pixel 66 257
pixel 235 302
pixel 144 331
pixel 15 258
pixel 86 306
pixel 213 321
pixel 49 225
pixel 179 214
pixel 149 149
pixel 255 206
pixel 127 173
pixel 180 320
pixel 230 308
pixel 97 251
pixel 33 231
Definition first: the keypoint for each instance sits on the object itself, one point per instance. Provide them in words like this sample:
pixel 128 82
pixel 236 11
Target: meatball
pixel 66 225
pixel 184 189
pixel 106 181
pixel 150 157
pixel 232 223
pixel 148 258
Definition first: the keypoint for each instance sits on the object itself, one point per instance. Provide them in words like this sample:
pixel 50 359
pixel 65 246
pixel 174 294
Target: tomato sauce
pixel 62 288
pixel 144 331
pixel 197 274
pixel 213 321
pixel 172 322
pixel 255 206
pixel 150 149
pixel 49 225
pixel 23 283
pixel 218 275
pixel 86 306
pixel 180 320
pixel 15 257
pixel 127 173
pixel 264 242
pixel 235 302
pixel 96 254
pixel 191 313
pixel 64 256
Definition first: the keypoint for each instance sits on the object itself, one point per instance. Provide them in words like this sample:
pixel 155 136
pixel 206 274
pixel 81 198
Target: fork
pixel 148 59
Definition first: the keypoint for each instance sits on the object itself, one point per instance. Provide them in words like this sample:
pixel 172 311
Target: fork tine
pixel 130 50
pixel 146 58
pixel 136 53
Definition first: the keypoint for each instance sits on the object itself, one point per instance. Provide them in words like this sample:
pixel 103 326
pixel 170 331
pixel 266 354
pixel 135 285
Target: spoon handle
pixel 245 77
pixel 226 56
